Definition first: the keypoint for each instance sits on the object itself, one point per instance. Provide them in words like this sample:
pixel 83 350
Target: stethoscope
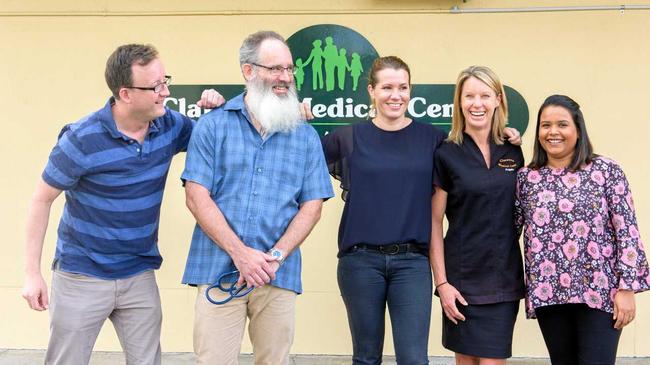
pixel 229 287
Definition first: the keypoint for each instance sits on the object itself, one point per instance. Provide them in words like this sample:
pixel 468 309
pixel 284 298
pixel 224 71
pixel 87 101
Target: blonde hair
pixel 500 117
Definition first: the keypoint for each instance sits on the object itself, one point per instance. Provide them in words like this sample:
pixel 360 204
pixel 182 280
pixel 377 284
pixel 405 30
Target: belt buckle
pixel 389 249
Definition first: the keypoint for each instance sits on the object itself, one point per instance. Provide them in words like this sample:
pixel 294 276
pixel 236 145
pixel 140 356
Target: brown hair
pixel 387 62
pixel 118 72
pixel 382 63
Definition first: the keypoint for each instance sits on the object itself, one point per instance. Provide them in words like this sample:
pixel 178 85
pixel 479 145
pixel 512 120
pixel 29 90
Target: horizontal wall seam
pixel 455 10
pixel 549 9
pixel 221 13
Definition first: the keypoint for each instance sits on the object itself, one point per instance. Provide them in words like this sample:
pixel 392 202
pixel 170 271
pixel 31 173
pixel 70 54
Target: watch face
pixel 277 254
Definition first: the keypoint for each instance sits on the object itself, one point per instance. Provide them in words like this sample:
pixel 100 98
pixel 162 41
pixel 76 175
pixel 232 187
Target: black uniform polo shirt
pixel 482 255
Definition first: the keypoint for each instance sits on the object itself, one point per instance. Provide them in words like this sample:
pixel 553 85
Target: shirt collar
pixel 496 150
pixel 490 140
pixel 106 118
pixel 237 104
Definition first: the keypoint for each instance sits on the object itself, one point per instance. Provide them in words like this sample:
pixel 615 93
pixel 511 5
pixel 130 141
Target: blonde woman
pixel 477 267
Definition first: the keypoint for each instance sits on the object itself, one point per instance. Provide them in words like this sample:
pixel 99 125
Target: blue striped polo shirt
pixel 113 190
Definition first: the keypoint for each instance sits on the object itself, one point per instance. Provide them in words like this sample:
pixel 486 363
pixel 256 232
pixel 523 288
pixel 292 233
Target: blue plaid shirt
pixel 258 184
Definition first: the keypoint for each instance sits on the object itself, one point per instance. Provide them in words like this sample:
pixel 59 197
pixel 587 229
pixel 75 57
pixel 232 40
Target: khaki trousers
pixel 80 305
pixel 219 329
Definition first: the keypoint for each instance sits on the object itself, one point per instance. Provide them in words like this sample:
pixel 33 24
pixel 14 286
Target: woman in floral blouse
pixel 584 257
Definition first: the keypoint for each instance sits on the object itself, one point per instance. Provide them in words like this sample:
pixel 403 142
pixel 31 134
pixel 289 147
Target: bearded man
pixel 255 180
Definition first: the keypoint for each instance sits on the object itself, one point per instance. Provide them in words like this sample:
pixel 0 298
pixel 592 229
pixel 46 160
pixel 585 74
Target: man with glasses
pixel 255 179
pixel 112 166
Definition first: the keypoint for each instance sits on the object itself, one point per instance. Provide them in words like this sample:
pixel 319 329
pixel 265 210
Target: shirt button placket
pixel 255 193
pixel 258 170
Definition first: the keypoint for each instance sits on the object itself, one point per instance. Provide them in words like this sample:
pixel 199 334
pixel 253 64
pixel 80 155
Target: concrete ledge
pixel 32 357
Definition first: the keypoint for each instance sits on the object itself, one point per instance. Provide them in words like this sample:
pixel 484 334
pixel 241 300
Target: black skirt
pixel 486 331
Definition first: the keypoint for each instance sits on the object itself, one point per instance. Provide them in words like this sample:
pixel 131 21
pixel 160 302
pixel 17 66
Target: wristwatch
pixel 278 255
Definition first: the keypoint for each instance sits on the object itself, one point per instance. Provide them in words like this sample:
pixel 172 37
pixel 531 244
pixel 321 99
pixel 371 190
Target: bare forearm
pixel 38 215
pixel 211 219
pixel 300 227
pixel 34 289
pixel 437 248
pixel 37 220
pixel 437 254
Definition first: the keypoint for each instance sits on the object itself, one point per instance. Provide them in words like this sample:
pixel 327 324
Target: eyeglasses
pixel 277 70
pixel 158 88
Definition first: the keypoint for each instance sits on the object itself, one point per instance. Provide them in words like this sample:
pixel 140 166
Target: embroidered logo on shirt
pixel 508 164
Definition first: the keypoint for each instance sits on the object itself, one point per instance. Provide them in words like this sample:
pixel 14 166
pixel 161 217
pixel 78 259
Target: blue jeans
pixel 369 280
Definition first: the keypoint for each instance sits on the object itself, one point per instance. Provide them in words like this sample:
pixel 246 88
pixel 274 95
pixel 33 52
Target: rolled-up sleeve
pixel 200 163
pixel 316 183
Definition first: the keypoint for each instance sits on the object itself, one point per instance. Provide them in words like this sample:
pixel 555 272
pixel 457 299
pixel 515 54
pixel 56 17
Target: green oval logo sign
pixel 332 64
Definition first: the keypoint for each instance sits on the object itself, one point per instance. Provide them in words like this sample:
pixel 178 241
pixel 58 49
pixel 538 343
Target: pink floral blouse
pixel 581 240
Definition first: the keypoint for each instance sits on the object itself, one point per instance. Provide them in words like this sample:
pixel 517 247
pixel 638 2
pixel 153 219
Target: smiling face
pixel 558 135
pixel 478 102
pixel 147 104
pixel 391 93
pixel 272 53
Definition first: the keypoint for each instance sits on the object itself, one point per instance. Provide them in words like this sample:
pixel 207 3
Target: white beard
pixel 274 113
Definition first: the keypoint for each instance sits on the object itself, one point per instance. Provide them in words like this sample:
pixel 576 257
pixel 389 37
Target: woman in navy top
pixel 386 170
pixel 479 262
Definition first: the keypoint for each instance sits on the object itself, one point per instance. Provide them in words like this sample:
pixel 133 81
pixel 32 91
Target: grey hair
pixel 248 52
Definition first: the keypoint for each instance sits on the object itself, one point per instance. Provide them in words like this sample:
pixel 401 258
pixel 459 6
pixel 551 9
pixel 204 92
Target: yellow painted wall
pixel 52 57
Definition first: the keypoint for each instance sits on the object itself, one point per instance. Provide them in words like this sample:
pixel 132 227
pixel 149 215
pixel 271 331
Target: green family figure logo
pixel 331 62
pixel 336 66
